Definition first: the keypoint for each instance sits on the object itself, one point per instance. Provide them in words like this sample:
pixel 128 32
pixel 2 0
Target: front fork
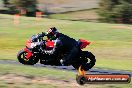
pixel 29 53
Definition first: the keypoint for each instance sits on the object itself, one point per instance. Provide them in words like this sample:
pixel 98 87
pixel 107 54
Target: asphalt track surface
pixel 70 68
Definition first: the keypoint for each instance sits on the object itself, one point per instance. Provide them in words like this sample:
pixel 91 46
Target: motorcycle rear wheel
pixel 21 56
pixel 85 56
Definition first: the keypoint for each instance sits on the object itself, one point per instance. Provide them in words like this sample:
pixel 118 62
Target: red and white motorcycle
pixel 44 52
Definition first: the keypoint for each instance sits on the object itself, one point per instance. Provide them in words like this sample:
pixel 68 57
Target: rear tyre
pixel 21 56
pixel 85 56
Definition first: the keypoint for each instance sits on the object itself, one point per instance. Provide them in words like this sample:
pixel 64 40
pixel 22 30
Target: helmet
pixel 52 32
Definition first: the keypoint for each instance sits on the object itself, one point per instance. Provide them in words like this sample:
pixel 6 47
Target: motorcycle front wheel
pixel 21 56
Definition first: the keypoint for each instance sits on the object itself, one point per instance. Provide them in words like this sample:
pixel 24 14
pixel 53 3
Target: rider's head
pixel 52 33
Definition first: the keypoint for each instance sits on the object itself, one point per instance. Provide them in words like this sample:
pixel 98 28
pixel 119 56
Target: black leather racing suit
pixel 70 45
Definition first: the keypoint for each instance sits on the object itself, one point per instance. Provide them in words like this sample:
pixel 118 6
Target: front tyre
pixel 21 56
pixel 85 56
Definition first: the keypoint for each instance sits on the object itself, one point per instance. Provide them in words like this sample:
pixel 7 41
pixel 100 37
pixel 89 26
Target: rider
pixel 69 44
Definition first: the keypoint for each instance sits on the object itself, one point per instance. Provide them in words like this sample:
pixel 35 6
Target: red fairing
pixel 49 45
pixel 84 43
pixel 29 53
pixel 28 43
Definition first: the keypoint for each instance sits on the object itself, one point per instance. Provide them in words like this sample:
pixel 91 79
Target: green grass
pixel 110 43
pixel 33 71
pixel 82 15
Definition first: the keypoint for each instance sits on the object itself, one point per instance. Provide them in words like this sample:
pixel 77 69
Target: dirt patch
pixel 14 79
pixel 121 27
pixel 19 79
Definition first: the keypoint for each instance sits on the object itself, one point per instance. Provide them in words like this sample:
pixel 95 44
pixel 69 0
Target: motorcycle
pixel 43 50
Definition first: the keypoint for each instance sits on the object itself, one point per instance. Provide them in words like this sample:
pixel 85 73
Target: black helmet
pixel 52 32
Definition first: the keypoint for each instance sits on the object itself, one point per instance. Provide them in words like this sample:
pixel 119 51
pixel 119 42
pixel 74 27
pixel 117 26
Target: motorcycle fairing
pixel 84 43
pixel 28 43
pixel 29 53
pixel 49 45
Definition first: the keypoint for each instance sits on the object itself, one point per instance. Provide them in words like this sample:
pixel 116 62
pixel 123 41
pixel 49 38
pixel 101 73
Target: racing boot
pixel 64 62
